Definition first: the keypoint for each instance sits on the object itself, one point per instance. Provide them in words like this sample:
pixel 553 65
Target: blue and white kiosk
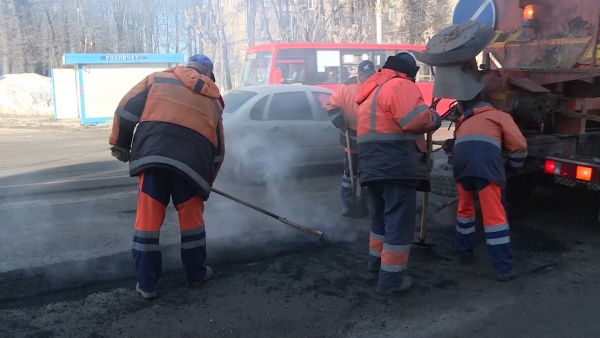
pixel 91 87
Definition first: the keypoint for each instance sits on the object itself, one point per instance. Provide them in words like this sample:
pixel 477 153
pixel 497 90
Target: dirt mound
pixel 26 95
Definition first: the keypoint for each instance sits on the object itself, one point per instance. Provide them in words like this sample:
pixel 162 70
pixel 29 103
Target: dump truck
pixel 541 65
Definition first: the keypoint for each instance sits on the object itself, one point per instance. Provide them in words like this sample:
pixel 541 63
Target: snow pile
pixel 26 95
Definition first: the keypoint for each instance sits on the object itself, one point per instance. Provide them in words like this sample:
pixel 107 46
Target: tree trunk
pixel 55 59
pixel 149 26
pixel 176 4
pixel 67 40
pixel 251 21
pixel 18 58
pixel 263 20
pixel 225 58
pixel 119 16
pixel 189 40
pixel 5 61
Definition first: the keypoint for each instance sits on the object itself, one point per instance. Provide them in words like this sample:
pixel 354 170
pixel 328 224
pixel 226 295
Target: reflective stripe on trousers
pixel 465 223
pixel 392 209
pixel 495 223
pixel 156 188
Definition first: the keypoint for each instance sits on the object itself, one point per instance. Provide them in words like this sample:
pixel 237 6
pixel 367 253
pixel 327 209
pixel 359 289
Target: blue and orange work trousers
pixel 392 209
pixel 156 187
pixel 495 223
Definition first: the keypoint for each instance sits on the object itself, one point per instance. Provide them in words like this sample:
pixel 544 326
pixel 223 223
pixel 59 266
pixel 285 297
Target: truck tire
pixel 442 180
pixel 520 188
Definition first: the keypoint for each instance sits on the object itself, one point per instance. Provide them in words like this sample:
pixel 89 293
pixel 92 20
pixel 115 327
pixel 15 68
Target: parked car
pixel 270 129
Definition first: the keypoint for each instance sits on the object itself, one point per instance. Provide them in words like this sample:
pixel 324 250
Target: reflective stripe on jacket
pixel 392 118
pixel 481 135
pixel 342 109
pixel 178 113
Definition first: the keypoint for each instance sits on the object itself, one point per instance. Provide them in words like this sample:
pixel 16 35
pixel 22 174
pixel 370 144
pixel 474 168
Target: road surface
pixel 67 210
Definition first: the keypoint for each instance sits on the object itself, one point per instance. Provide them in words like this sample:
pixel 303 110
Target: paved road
pixel 67 271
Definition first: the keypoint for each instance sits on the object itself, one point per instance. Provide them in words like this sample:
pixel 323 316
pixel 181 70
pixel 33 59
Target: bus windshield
pixel 256 68
pixel 325 65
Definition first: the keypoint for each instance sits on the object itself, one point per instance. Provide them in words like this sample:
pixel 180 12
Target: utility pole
pixel 378 19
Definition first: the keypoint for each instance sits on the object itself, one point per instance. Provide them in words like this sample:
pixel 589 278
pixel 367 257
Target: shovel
pixel 423 232
pixel 271 214
pixel 357 208
pixel 351 170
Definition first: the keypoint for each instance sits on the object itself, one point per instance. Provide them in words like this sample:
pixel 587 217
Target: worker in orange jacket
pixel 481 135
pixel 177 151
pixel 342 109
pixel 392 163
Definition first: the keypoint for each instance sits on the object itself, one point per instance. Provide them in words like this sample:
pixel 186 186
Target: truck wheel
pixel 520 188
pixel 442 181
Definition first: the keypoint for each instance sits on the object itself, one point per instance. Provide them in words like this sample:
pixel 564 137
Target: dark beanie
pixel 404 63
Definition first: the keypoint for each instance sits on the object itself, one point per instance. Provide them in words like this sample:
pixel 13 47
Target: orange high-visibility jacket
pixel 481 135
pixel 392 118
pixel 178 113
pixel 342 109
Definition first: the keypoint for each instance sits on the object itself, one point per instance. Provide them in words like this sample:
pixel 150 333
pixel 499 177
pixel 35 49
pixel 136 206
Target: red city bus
pixel 324 64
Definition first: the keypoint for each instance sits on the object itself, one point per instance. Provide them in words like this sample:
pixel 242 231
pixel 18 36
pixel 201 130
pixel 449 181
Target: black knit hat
pixel 404 63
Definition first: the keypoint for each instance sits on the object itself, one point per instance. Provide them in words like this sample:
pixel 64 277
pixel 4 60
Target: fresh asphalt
pixel 67 210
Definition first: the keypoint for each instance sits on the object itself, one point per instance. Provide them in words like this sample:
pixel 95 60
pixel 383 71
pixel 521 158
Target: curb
pixel 49 187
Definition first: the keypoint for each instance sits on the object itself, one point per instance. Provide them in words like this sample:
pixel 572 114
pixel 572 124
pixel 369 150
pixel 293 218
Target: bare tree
pixel 36 33
pixel 209 23
pixel 265 21
pixel 251 8
pixel 149 18
pixel 414 20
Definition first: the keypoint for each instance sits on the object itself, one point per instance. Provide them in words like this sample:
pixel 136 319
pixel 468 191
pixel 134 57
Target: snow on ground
pixel 26 94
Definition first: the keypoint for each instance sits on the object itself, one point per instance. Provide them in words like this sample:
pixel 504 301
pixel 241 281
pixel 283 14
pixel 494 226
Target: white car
pixel 270 129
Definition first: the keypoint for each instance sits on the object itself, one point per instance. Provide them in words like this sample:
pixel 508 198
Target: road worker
pixel 177 150
pixel 392 163
pixel 482 133
pixel 342 112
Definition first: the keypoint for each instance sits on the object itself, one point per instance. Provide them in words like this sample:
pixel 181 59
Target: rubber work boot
pixel 208 275
pixel 374 268
pixel 345 212
pixel 388 290
pixel 146 295
pixel 505 277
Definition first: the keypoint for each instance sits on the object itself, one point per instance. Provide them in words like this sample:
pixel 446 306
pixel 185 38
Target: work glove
pixel 448 145
pixel 120 154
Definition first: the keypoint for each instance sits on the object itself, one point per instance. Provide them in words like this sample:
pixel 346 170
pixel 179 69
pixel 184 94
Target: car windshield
pixel 235 99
